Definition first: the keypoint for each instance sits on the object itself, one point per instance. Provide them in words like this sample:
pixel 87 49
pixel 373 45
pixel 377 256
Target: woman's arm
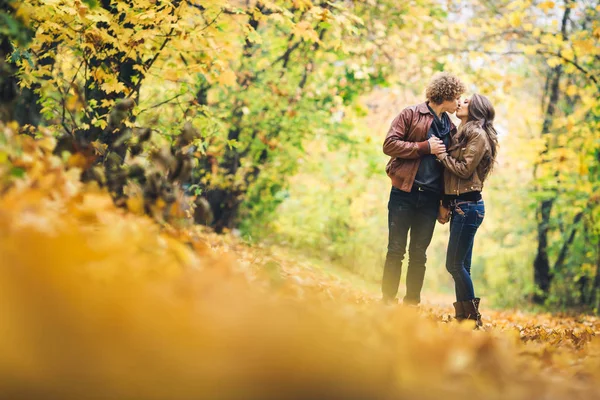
pixel 473 153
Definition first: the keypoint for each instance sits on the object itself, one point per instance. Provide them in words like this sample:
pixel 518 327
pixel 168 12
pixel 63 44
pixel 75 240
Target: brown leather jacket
pixel 463 169
pixel 406 143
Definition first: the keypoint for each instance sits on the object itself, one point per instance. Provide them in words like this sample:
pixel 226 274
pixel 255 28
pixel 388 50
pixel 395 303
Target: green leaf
pixel 17 172
pixel 233 144
pixel 91 3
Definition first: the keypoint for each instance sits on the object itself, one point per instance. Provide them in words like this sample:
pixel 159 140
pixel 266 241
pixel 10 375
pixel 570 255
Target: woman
pixel 468 161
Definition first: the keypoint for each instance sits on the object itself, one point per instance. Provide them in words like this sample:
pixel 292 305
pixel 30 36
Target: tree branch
pixel 213 21
pixel 587 74
pixel 562 256
pixel 573 63
pixel 161 103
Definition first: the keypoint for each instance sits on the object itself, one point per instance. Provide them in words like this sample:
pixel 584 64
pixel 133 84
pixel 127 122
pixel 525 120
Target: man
pixel 415 136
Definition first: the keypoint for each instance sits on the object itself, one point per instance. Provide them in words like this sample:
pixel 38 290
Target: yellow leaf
pixel 306 32
pixel 82 11
pixel 227 78
pixel 515 19
pixel 99 147
pixel 546 5
pixel 48 143
pixel 585 46
pixel 529 50
pixel 114 86
pixel 171 75
pixel 302 4
pixel 105 103
pixel 97 17
pixel 553 61
pixel 571 90
pixel 77 160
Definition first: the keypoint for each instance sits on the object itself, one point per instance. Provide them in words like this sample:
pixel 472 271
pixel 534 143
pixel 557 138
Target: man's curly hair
pixel 444 86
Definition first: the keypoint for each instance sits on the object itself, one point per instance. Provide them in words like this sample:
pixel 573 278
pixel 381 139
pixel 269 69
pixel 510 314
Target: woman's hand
pixel 436 146
pixel 443 214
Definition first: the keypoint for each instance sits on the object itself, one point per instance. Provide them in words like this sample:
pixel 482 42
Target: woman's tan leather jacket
pixel 465 162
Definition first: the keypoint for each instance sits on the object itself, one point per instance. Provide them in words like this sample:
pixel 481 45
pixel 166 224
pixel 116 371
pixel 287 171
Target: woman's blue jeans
pixel 467 216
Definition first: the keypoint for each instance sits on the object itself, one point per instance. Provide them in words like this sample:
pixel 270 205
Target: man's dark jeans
pixel 467 216
pixel 415 212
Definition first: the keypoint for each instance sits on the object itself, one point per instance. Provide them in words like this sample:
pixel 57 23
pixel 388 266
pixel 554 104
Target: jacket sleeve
pixel 395 144
pixel 473 153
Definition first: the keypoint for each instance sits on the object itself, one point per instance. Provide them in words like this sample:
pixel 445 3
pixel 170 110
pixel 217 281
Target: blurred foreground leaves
pixel 98 302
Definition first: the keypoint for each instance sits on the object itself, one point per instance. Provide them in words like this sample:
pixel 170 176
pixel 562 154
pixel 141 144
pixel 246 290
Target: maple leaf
pixel 113 86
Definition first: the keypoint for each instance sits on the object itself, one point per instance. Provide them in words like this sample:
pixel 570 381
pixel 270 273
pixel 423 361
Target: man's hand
pixel 436 145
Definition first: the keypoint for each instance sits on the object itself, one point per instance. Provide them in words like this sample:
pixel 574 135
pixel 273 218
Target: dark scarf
pixel 440 127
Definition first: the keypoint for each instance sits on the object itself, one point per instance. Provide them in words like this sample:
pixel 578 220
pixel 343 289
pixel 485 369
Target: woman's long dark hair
pixel 481 115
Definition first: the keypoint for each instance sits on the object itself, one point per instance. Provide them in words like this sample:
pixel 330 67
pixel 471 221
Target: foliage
pixel 268 75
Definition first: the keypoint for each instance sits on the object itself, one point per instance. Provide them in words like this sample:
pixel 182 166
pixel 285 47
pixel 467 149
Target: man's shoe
pixel 471 311
pixel 387 301
pixel 411 304
pixel 408 301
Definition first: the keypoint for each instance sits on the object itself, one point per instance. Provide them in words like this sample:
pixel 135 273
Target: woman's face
pixel 463 108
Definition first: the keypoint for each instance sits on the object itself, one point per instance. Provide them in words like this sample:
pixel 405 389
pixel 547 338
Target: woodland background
pixel 270 116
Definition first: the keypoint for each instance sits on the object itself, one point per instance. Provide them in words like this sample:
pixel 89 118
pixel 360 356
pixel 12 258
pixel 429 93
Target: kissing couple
pixel 437 172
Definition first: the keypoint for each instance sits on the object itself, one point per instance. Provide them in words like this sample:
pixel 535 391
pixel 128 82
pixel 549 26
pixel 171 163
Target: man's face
pixel 450 106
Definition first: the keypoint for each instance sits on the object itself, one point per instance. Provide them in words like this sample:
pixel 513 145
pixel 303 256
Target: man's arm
pixel 395 144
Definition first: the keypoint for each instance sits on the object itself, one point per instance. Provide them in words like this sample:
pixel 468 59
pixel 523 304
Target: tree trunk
pixel 224 204
pixel 595 292
pixel 8 82
pixel 562 256
pixel 541 264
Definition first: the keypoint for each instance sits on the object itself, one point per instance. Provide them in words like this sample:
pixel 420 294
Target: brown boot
pixel 459 311
pixel 471 310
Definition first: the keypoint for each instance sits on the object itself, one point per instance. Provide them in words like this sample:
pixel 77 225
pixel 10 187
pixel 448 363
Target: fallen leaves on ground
pixel 96 302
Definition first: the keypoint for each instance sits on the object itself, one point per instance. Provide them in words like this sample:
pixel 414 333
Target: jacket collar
pixel 423 109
